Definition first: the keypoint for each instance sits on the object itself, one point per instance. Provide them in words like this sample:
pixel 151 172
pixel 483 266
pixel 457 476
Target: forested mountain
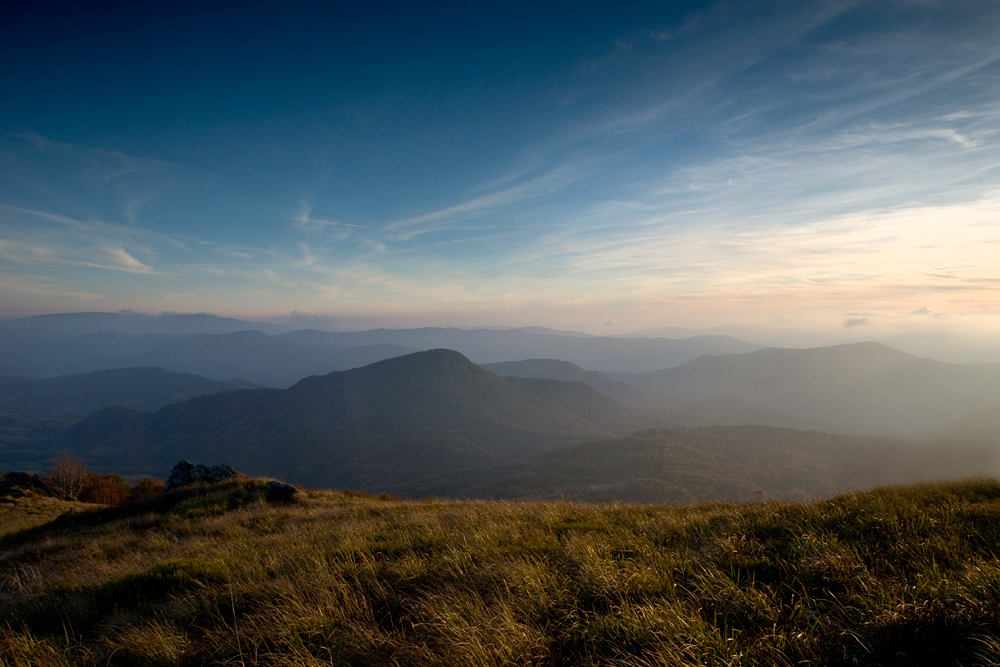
pixel 864 388
pixel 485 346
pixel 137 388
pixel 380 426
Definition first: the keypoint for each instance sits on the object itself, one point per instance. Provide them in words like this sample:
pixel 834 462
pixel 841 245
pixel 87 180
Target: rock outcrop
pixel 281 491
pixel 14 482
pixel 186 472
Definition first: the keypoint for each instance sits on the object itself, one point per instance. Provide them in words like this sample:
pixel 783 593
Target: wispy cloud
pixel 37 237
pixel 534 187
pixel 91 182
pixel 308 223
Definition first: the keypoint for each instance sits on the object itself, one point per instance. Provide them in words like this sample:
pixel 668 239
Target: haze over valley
pixel 715 418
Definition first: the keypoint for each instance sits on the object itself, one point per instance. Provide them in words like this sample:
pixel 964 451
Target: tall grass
pixel 894 576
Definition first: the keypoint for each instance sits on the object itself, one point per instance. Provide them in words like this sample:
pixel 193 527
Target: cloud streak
pixel 36 237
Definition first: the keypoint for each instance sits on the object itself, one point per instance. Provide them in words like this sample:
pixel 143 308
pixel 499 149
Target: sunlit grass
pixel 30 510
pixel 225 576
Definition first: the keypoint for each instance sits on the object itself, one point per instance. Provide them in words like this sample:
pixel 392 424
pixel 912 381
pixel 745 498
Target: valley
pixel 759 424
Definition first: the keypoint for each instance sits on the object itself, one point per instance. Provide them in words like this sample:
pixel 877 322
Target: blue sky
pixel 815 166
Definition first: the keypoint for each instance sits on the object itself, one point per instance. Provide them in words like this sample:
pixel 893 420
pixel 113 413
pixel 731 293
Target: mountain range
pixel 485 346
pixel 435 423
pixel 68 325
pixel 252 356
pixel 547 414
pixel 713 411
pixel 80 395
pixel 381 426
pixel 38 347
pixel 862 388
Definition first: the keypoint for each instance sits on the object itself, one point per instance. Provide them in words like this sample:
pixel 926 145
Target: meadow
pixel 228 575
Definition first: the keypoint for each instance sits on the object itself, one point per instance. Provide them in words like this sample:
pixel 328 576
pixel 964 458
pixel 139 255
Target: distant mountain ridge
pixel 379 426
pixel 485 346
pixel 433 422
pixel 862 388
pixel 713 411
pixel 77 324
pixel 74 343
pixel 251 355
pixel 136 388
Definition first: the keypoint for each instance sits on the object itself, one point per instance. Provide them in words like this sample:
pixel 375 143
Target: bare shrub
pixel 67 474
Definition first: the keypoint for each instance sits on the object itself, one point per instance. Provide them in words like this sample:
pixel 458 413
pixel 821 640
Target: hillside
pixel 982 427
pixel 380 426
pixel 588 404
pixel 983 420
pixel 727 463
pixel 136 388
pixel 666 410
pixel 865 388
pixel 556 369
pixel 228 575
pixel 485 346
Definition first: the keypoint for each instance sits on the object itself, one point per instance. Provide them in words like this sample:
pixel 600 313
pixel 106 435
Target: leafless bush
pixel 67 474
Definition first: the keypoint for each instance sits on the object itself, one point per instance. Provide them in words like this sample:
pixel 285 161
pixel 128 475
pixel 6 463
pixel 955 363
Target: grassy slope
pixel 903 576
pixel 29 510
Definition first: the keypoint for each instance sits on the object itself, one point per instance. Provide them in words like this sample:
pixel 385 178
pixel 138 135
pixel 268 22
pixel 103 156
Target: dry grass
pixel 900 576
pixel 29 510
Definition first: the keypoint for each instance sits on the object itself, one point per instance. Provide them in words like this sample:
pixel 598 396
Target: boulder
pixel 186 472
pixel 281 491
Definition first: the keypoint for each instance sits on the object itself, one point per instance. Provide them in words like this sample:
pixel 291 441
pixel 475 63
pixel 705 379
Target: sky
pixel 822 169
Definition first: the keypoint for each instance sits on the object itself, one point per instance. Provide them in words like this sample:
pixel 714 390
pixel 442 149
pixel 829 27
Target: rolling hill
pixel 863 388
pixel 379 426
